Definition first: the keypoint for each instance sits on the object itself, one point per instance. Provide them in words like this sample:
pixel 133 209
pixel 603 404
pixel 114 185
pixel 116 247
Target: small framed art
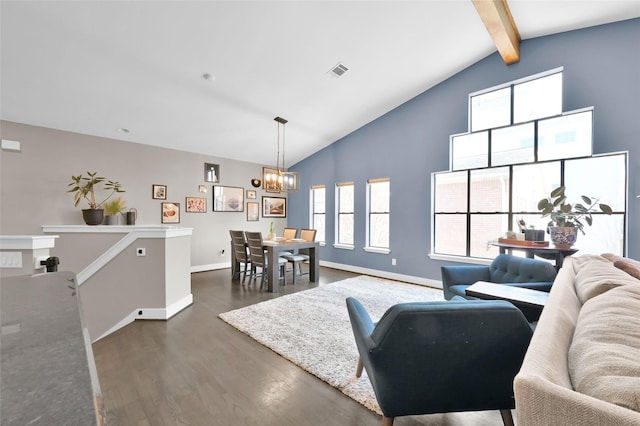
pixel 251 194
pixel 253 212
pixel 211 172
pixel 170 212
pixel 159 192
pixel 274 207
pixel 228 199
pixel 196 204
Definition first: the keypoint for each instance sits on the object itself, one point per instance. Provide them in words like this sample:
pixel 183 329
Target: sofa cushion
pixel 604 355
pixel 596 275
pixel 631 267
pixel 626 264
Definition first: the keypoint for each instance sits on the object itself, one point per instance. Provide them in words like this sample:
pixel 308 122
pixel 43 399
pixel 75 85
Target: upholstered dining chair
pixel 297 259
pixel 240 251
pixel 288 234
pixel 441 357
pixel 259 259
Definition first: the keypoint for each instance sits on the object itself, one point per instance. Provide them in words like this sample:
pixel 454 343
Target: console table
pixel 551 253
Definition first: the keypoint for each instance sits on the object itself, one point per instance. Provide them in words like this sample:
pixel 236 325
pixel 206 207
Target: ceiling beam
pixel 497 18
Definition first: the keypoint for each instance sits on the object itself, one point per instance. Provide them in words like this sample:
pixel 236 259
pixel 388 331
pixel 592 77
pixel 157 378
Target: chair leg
pixel 244 276
pixel 387 421
pixel 359 367
pixel 507 418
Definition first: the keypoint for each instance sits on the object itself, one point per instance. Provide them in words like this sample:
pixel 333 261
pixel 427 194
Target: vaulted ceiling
pixel 100 67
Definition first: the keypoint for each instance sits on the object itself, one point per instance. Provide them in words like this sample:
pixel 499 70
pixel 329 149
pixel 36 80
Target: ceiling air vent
pixel 338 70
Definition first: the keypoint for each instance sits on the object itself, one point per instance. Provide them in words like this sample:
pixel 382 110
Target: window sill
pixel 377 250
pixel 461 259
pixel 344 246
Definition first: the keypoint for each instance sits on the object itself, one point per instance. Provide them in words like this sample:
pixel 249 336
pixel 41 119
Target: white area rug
pixel 311 328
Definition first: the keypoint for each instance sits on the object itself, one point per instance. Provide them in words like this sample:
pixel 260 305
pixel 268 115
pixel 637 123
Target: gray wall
pixel 33 186
pixel 601 69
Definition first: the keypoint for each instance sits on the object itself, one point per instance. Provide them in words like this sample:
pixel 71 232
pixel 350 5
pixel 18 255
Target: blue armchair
pixel 505 269
pixel 439 357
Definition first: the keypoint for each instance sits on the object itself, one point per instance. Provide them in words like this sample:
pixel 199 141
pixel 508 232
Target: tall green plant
pixel 562 213
pixel 84 188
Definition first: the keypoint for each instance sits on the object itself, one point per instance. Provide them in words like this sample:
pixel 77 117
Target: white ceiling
pixel 93 67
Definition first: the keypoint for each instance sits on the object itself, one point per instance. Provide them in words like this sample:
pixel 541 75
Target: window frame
pixel 368 246
pixel 339 214
pixel 320 236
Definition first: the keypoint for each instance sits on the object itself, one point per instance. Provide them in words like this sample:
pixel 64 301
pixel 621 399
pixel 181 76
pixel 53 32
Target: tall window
pixel 378 215
pixel 473 207
pixel 318 212
pixel 345 213
pixel 519 148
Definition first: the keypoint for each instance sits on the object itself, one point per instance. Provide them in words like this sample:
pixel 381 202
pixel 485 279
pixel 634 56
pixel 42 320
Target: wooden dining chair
pixel 240 251
pixel 258 258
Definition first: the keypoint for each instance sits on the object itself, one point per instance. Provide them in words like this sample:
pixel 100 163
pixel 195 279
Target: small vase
pixel 112 219
pixel 563 237
pixel 93 216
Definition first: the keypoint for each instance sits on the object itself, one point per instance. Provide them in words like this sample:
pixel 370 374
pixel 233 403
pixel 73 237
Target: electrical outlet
pixel 393 262
pixel 141 251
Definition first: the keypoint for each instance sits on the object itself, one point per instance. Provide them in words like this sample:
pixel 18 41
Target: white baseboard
pixel 210 267
pixel 384 274
pixel 150 314
pixel 350 268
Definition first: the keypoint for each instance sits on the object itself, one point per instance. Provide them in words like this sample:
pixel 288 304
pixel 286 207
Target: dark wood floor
pixel 197 370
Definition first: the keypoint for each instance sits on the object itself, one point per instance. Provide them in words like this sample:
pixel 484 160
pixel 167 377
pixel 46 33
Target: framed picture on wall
pixel 253 212
pixel 274 207
pixel 159 192
pixel 196 204
pixel 170 212
pixel 251 194
pixel 211 172
pixel 228 199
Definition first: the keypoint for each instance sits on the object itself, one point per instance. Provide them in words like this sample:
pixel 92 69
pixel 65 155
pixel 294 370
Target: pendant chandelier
pixel 279 180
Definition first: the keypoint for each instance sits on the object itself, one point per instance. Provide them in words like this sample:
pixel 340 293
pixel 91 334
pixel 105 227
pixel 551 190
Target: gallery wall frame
pixel 159 192
pixel 274 207
pixel 195 204
pixel 228 198
pixel 170 212
pixel 251 194
pixel 211 172
pixel 253 212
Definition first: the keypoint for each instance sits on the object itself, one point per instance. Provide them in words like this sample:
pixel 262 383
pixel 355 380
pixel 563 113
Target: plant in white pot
pixel 84 188
pixel 567 219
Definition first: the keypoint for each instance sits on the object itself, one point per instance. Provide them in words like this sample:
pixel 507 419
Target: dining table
pixel 273 248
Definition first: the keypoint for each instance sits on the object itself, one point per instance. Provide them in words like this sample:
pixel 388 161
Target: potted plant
pixel 112 209
pixel 84 188
pixel 567 219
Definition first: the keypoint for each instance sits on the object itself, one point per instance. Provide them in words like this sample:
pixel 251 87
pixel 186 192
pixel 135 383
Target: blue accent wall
pixel 601 69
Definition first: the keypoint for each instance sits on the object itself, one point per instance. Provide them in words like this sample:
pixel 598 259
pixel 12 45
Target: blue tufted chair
pixel 505 269
pixel 440 357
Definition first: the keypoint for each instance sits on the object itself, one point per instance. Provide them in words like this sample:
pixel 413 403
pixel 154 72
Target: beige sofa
pixel 583 363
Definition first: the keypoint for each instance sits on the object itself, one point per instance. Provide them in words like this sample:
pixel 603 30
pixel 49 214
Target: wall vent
pixel 338 70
